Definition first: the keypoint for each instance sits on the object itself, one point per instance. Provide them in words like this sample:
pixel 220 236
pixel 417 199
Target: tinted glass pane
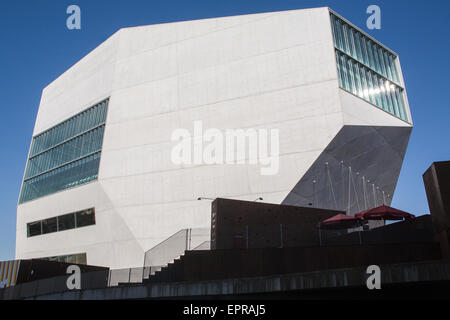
pixel 361 48
pixel 85 218
pixel 66 222
pixel 70 259
pixel 65 156
pixel 81 259
pixel 49 226
pixel 73 258
pixel 74 126
pixel 370 86
pixel 368 70
pixel 68 176
pixel 34 229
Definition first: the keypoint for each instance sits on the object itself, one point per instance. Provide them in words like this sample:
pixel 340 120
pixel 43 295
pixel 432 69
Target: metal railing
pixel 173 247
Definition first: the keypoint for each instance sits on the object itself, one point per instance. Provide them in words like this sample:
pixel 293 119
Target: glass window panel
pixel 376 58
pixel 85 218
pixel 338 64
pixel 365 56
pixel 381 60
pixel 79 258
pixel 388 97
pixel 34 229
pixel 363 82
pixel 344 72
pixel 338 35
pixel 388 66
pixel 394 70
pixel 367 69
pixel 341 35
pixel 68 129
pixel 358 47
pixel 401 103
pixel 346 40
pixel 371 87
pixel 104 112
pixel 66 222
pixel 49 226
pixel 377 90
pixel 54 150
pixel 394 101
pixel 359 88
pixel 351 37
pixel 351 77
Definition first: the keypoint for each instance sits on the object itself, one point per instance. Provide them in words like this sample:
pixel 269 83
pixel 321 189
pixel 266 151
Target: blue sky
pixel 36 47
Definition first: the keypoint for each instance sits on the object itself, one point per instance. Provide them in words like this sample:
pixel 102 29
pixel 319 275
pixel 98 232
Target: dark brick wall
pixel 264 225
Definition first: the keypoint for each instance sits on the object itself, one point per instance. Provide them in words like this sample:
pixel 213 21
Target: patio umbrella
pixel 341 221
pixel 384 213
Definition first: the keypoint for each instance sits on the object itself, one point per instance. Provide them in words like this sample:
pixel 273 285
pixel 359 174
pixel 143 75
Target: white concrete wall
pixel 271 70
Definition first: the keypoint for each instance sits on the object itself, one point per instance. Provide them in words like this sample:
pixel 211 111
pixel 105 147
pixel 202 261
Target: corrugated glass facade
pixel 367 69
pixel 66 155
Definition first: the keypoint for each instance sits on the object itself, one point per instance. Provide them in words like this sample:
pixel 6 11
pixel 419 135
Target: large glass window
pixel 367 69
pixel 69 221
pixel 370 86
pixel 66 155
pixel 49 225
pixel 85 218
pixel 79 258
pixel 34 229
pixel 66 222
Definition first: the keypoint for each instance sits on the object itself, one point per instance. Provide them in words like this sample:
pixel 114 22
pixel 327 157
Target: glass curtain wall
pixel 367 69
pixel 66 155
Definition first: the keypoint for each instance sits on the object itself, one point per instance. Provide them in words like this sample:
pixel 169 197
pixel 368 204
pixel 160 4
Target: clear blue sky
pixel 36 47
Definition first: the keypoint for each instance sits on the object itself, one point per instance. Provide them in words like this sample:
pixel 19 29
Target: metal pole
pixel 364 190
pixel 349 175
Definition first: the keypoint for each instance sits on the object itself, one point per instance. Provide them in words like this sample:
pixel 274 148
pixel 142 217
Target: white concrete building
pixel 335 94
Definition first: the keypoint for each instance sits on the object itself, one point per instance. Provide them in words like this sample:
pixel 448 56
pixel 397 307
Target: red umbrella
pixel 384 213
pixel 341 221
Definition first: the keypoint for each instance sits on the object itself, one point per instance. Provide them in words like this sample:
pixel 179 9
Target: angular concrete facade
pixel 272 71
